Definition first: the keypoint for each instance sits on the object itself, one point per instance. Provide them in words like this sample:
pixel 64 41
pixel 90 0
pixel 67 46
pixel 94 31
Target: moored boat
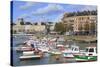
pixel 55 52
pixel 31 55
pixel 69 52
pixel 89 55
pixel 21 49
pixel 68 55
pixel 45 50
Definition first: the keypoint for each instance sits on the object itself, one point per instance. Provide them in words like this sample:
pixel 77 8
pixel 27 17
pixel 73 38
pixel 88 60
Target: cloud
pixel 27 5
pixel 49 8
pixel 24 16
pixel 89 8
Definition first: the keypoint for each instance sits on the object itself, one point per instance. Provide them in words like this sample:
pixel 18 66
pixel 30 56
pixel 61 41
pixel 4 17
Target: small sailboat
pixel 89 55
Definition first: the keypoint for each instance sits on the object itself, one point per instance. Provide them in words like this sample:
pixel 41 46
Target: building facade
pixel 21 27
pixel 81 23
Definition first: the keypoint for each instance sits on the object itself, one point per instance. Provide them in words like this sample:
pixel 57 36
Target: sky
pixel 44 12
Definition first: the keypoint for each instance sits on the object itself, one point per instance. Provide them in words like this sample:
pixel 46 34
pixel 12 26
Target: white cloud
pixel 48 8
pixel 24 16
pixel 89 8
pixel 27 5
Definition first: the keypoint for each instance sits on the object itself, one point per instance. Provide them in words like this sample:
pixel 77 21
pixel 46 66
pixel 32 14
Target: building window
pixel 71 20
pixel 82 18
pixel 88 18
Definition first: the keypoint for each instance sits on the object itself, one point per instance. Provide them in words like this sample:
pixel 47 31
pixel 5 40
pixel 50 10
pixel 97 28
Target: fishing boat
pixel 69 52
pixel 30 55
pixel 90 54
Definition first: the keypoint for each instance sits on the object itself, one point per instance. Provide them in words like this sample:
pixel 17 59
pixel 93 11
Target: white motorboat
pixel 90 54
pixel 30 55
pixel 69 52
pixel 23 48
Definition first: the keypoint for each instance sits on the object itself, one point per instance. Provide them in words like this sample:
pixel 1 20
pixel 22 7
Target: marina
pixel 47 54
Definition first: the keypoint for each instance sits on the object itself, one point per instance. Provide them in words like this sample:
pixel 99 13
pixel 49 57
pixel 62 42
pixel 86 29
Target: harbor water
pixel 47 59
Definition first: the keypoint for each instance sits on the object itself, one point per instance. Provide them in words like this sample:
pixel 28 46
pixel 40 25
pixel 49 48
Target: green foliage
pixel 69 27
pixel 60 27
pixel 14 32
pixel 22 21
pixel 28 23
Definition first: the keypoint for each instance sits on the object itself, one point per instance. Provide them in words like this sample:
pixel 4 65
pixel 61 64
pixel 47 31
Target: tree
pixel 50 23
pixel 13 23
pixel 43 23
pixel 47 27
pixel 69 27
pixel 60 27
pixel 21 21
pixel 80 13
pixel 14 32
pixel 36 23
pixel 28 23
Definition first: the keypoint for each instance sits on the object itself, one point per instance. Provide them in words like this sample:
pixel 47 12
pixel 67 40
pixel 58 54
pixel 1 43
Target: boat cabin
pixel 91 51
pixel 75 49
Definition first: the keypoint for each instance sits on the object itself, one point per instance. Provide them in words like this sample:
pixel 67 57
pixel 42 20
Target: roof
pixel 82 13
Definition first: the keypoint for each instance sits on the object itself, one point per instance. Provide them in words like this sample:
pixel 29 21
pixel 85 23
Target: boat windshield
pixel 91 50
pixel 76 49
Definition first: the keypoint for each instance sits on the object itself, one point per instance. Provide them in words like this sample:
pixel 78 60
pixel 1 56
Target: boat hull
pixel 68 55
pixel 25 49
pixel 85 58
pixel 55 53
pixel 30 57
